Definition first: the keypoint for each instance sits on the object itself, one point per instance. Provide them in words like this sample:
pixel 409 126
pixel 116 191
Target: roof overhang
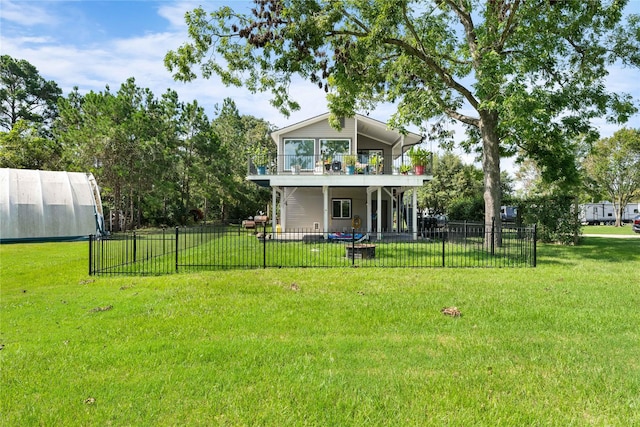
pixel 379 131
pixel 365 126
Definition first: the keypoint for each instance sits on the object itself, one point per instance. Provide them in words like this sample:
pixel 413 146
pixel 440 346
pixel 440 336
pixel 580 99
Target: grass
pixel 554 345
pixel 608 229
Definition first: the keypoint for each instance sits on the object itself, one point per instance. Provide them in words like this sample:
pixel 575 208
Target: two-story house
pixel 328 180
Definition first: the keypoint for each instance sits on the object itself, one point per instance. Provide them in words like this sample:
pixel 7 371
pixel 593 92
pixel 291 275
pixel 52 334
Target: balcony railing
pixel 338 164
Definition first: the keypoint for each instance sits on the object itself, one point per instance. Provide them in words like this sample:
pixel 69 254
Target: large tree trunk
pixel 618 207
pixel 491 170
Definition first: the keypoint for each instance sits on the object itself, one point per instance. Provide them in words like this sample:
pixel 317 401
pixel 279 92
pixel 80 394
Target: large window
pixel 341 208
pixel 335 148
pixel 299 152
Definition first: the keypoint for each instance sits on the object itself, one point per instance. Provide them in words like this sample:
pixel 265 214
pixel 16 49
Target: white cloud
pixel 26 13
pixel 174 13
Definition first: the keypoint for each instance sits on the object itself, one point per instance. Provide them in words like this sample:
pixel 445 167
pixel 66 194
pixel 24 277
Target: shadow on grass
pixel 591 248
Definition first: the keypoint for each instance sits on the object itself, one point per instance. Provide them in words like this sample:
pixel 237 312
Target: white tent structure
pixel 48 206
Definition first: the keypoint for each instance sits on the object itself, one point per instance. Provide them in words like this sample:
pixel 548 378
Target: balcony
pixel 339 164
pixel 342 170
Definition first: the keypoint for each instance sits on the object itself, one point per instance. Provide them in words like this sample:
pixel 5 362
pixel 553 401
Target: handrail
pixel 363 164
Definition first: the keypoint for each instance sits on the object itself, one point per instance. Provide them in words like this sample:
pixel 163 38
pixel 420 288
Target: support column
pixel 369 225
pixel 415 213
pixel 398 213
pixel 325 210
pixel 274 200
pixel 283 209
pixel 379 214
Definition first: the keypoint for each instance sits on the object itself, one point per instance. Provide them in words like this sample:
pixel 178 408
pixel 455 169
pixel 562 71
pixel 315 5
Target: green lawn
pixel 608 229
pixel 554 345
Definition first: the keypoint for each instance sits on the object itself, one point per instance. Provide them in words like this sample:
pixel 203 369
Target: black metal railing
pixel 216 247
pixel 340 164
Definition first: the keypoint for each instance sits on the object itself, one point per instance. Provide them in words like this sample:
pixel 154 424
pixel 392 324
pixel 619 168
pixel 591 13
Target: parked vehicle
pixel 432 226
pixel 508 213
pixel 636 224
pixel 603 213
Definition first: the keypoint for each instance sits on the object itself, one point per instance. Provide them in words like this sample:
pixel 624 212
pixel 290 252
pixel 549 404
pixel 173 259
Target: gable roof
pixel 366 126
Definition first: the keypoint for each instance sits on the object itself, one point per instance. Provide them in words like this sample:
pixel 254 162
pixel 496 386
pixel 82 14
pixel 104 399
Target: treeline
pixel 158 160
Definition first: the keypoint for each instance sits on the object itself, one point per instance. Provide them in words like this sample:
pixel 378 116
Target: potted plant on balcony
pixel 295 166
pixel 350 161
pixel 376 163
pixel 404 169
pixel 260 158
pixel 327 163
pixel 419 159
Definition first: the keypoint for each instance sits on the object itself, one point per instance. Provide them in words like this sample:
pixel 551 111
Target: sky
pixel 91 44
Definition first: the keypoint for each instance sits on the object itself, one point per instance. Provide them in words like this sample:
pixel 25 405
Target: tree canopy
pixel 159 161
pixel 524 77
pixel 25 95
pixel 613 166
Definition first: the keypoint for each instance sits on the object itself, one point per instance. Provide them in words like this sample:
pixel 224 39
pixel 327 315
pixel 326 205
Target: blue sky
pixel 94 43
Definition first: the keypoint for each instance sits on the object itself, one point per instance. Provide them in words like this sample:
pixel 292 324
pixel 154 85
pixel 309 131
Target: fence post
pixel 535 245
pixel 90 254
pixel 443 248
pixel 464 234
pixel 177 231
pixel 493 235
pixel 134 247
pixel 264 245
pixel 101 254
pixel 353 246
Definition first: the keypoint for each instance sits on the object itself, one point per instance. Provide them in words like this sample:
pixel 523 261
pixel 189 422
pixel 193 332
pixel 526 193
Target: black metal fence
pixel 216 247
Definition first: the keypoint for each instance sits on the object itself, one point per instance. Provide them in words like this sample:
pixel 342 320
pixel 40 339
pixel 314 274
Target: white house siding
pixel 305 207
pixel 366 143
pixel 358 196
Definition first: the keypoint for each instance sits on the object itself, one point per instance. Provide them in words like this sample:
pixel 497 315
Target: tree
pixel 452 180
pixel 114 136
pixel 238 135
pixel 197 156
pixel 25 95
pixel 152 157
pixel 525 77
pixel 613 165
pixel 24 148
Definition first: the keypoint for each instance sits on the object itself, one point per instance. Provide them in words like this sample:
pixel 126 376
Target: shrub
pixel 556 217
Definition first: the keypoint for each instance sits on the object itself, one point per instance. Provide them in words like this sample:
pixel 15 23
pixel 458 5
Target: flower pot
pixel 419 170
pixel 262 170
pixel 295 169
pixel 351 169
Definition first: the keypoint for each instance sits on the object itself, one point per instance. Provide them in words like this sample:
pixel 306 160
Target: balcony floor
pixel 339 180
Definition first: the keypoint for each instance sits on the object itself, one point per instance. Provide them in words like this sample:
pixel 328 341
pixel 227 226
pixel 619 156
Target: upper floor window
pixel 299 152
pixel 334 149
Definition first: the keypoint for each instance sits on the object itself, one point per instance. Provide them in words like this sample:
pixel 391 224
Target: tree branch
pixel 509 27
pixel 467 23
pixel 472 121
pixel 418 40
pixel 431 63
